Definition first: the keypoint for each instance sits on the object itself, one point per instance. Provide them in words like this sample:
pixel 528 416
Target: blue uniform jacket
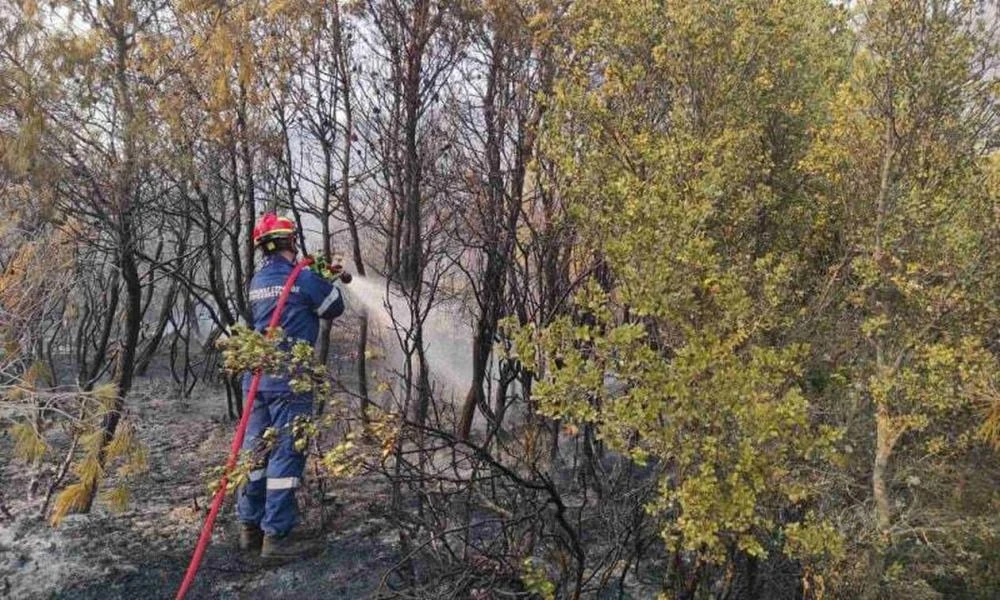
pixel 312 298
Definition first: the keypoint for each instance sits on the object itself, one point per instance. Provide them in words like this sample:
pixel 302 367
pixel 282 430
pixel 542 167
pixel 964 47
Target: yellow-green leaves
pixel 536 580
pixel 29 445
pixel 246 350
pixel 343 460
pixel 811 538
pixel 727 416
pixel 125 458
pixel 678 131
pixel 117 498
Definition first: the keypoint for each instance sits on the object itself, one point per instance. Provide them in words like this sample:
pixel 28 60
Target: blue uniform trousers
pixel 268 498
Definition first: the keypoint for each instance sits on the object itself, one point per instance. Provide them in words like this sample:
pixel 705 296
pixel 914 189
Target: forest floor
pixel 144 552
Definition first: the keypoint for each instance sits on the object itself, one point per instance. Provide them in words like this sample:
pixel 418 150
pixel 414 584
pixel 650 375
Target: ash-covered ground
pixel 143 552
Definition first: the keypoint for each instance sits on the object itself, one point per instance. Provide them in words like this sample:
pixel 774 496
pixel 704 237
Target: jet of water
pixel 447 331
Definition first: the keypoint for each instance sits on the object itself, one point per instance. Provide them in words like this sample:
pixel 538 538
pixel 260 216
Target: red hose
pixel 234 451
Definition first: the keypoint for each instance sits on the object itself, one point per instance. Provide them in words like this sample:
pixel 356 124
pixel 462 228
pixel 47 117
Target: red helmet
pixel 271 228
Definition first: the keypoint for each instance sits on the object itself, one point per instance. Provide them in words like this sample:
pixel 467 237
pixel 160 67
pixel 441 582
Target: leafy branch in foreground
pixel 246 350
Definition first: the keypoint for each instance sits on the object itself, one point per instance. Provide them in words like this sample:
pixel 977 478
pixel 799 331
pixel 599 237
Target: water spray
pixel 447 332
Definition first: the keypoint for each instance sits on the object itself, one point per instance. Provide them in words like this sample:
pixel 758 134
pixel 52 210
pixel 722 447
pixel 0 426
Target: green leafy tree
pixel 901 170
pixel 678 130
pixel 793 217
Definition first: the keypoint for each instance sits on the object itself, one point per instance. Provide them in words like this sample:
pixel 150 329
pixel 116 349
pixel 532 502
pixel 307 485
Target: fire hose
pixel 241 429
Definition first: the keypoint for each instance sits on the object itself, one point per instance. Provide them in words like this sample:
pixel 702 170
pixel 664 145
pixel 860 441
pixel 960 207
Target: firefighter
pixel 266 503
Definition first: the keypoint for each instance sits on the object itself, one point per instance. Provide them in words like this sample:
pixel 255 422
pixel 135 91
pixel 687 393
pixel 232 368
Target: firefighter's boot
pixel 285 548
pixel 251 538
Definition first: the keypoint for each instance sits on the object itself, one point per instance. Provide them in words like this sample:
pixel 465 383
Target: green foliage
pixel 734 424
pixel 340 460
pixel 807 539
pixel 795 228
pixel 326 269
pixel 913 309
pixel 536 581
pixel 247 350
pixel 678 154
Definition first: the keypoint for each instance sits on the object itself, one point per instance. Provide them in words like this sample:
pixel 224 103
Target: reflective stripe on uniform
pixel 330 299
pixel 265 293
pixel 256 475
pixel 282 483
